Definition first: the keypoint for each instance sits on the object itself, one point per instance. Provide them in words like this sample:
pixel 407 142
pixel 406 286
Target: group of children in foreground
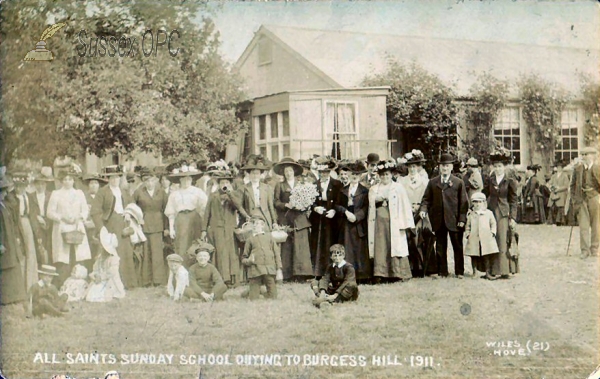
pixel 202 280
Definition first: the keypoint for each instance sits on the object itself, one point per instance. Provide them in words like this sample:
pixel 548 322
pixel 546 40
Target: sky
pixel 559 23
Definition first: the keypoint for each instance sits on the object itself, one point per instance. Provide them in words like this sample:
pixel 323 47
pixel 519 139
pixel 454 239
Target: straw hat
pixel 89 177
pixel 184 171
pixel 109 241
pixel 48 270
pixel 113 170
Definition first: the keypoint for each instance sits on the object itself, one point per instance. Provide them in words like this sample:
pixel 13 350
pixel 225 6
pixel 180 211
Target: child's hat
pixel 136 212
pixel 478 196
pixel 174 258
pixel 109 241
pixel 48 270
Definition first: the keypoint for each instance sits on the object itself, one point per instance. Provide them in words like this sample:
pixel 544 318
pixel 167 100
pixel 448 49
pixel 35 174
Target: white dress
pixel 110 285
pixel 68 203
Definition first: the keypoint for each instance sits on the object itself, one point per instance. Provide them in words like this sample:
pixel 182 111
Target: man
pixel 445 200
pixel 370 177
pixel 108 211
pixel 258 196
pixel 559 185
pixel 323 219
pixel 585 197
pixel 41 225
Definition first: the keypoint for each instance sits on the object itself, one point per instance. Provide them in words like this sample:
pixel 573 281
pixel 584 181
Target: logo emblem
pixel 41 53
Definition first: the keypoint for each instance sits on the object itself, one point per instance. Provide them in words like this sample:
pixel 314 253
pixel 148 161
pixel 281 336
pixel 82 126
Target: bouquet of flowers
pixel 303 196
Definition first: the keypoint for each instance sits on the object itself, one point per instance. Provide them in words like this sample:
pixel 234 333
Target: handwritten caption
pixel 515 348
pixel 239 359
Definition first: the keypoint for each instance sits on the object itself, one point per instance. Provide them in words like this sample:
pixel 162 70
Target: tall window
pixel 568 142
pixel 507 130
pixel 273 135
pixel 340 124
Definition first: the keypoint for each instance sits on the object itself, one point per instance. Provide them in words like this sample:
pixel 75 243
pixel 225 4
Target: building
pixel 299 79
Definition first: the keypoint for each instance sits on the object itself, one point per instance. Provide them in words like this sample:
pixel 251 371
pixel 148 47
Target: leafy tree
pixel 180 106
pixel 590 91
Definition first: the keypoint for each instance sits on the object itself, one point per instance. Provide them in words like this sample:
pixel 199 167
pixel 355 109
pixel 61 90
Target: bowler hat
pixel 279 168
pixel 373 158
pixel 447 158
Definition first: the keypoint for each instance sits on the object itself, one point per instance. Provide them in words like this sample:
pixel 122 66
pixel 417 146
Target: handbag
pixel 243 233
pixel 513 248
pixel 74 237
pixel 279 236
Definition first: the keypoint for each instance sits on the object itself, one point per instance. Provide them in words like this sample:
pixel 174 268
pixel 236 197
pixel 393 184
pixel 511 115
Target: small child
pixel 206 282
pixel 178 277
pixel 480 233
pixel 107 284
pixel 76 285
pixel 261 258
pixel 339 282
pixel 44 295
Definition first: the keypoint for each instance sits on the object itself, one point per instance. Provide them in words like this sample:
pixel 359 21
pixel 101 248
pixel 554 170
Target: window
pixel 568 142
pixel 275 144
pixel 265 51
pixel 507 130
pixel 340 124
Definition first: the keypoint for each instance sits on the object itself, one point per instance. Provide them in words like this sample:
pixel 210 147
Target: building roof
pixel 348 57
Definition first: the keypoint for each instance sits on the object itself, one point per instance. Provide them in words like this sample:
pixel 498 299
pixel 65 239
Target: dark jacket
pixel 446 204
pixel 266 259
pixel 104 206
pixel 333 192
pixel 577 193
pixel 503 196
pixel 336 282
pixel 360 203
pixel 266 206
pixel 291 217
pixel 153 208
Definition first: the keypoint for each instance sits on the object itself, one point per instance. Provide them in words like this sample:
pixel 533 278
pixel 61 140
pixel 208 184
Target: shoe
pixel 434 276
pixel 460 276
pixel 504 276
pixel 492 277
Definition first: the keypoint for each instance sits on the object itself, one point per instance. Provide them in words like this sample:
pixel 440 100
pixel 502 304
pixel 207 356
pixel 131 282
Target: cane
pixel 569 244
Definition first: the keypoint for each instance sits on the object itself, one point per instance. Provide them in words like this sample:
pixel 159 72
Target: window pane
pixel 573 131
pixel 517 157
pixel 275 153
pixel 574 143
pixel 262 127
pixel 274 126
pixel 263 151
pixel 286 124
pixel 286 149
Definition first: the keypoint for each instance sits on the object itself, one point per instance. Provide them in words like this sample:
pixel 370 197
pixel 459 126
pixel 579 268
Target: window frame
pixel 329 136
pixel 519 122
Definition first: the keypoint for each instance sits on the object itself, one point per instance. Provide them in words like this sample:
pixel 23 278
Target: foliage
pixel 419 99
pixel 489 96
pixel 590 91
pixel 181 107
pixel 543 103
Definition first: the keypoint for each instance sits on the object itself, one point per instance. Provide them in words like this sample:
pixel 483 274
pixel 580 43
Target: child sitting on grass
pixel 178 277
pixel 44 297
pixel 206 282
pixel 76 285
pixel 339 282
pixel 262 259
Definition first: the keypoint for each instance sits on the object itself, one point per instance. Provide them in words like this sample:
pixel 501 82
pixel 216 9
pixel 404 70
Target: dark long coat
pixel 446 204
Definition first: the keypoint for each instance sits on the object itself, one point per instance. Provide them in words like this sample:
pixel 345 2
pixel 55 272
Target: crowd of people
pixel 200 229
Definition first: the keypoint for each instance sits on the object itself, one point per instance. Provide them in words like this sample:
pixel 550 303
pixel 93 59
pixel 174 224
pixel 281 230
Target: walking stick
pixel 569 244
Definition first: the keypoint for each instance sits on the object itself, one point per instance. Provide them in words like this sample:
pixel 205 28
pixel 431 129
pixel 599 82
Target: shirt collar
pixel 340 265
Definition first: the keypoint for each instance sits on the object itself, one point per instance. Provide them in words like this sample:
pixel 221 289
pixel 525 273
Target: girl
pixel 480 232
pixel 106 279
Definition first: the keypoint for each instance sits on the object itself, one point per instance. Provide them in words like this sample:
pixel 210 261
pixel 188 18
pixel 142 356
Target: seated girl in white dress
pixel 106 280
pixel 76 285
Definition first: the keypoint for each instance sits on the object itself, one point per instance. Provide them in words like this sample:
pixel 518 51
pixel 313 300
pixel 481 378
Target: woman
pixel 106 280
pixel 68 208
pixel 353 206
pixel 295 251
pixel 390 216
pixel 414 184
pixel 501 192
pixel 23 208
pixel 534 212
pixel 184 209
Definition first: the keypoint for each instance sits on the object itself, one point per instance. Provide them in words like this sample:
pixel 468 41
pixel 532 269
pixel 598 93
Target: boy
pixel 205 281
pixel 480 233
pixel 44 295
pixel 339 282
pixel 178 277
pixel 262 259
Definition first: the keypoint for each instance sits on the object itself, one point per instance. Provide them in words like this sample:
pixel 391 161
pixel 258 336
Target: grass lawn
pixel 554 301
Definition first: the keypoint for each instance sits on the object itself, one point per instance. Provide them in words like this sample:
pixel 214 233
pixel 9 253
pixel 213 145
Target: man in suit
pixel 585 197
pixel 258 196
pixel 325 224
pixel 41 225
pixel 370 177
pixel 559 184
pixel 445 200
pixel 108 211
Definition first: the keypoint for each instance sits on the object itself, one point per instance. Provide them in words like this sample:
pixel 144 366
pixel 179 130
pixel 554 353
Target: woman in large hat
pixel 258 196
pixel 68 208
pixel 534 211
pixel 295 251
pixel 389 218
pixel 501 192
pixel 219 223
pixel 414 184
pixel 185 209
pixel 353 207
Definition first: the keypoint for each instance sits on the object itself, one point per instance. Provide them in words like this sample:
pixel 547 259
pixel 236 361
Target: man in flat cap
pixel 585 195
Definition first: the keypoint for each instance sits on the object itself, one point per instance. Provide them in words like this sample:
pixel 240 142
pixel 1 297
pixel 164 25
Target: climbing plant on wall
pixel 590 92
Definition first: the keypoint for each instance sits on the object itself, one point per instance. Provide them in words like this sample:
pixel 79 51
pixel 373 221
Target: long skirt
pixel 497 263
pixel 225 258
pixel 535 214
pixel 31 265
pixel 187 229
pixel 295 255
pixel 116 224
pixel 154 269
pixel 323 235
pixel 384 264
pixel 13 288
pixel 357 250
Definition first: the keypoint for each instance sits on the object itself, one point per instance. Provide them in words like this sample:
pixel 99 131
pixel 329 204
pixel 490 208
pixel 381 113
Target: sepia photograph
pixel 299 189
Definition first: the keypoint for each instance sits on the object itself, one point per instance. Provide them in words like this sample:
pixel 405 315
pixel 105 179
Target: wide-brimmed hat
pixel 413 157
pixel 387 165
pixel 256 162
pixel 89 177
pixel 534 167
pixel 44 175
pixel 447 158
pixel 175 258
pixel 373 158
pixel 222 174
pixel 279 168
pixel 589 150
pixel 135 211
pixel 500 156
pixel 48 270
pixel 183 171
pixel 20 178
pixel 112 170
pixel 472 162
pixel 109 241
pixel 357 167
pixel 325 164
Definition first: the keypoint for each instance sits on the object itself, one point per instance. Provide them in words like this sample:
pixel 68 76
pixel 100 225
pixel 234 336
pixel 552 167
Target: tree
pixel 419 99
pixel 181 106
pixel 590 91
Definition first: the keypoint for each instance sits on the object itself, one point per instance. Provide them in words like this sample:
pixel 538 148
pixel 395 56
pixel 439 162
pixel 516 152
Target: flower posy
pixel 303 196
